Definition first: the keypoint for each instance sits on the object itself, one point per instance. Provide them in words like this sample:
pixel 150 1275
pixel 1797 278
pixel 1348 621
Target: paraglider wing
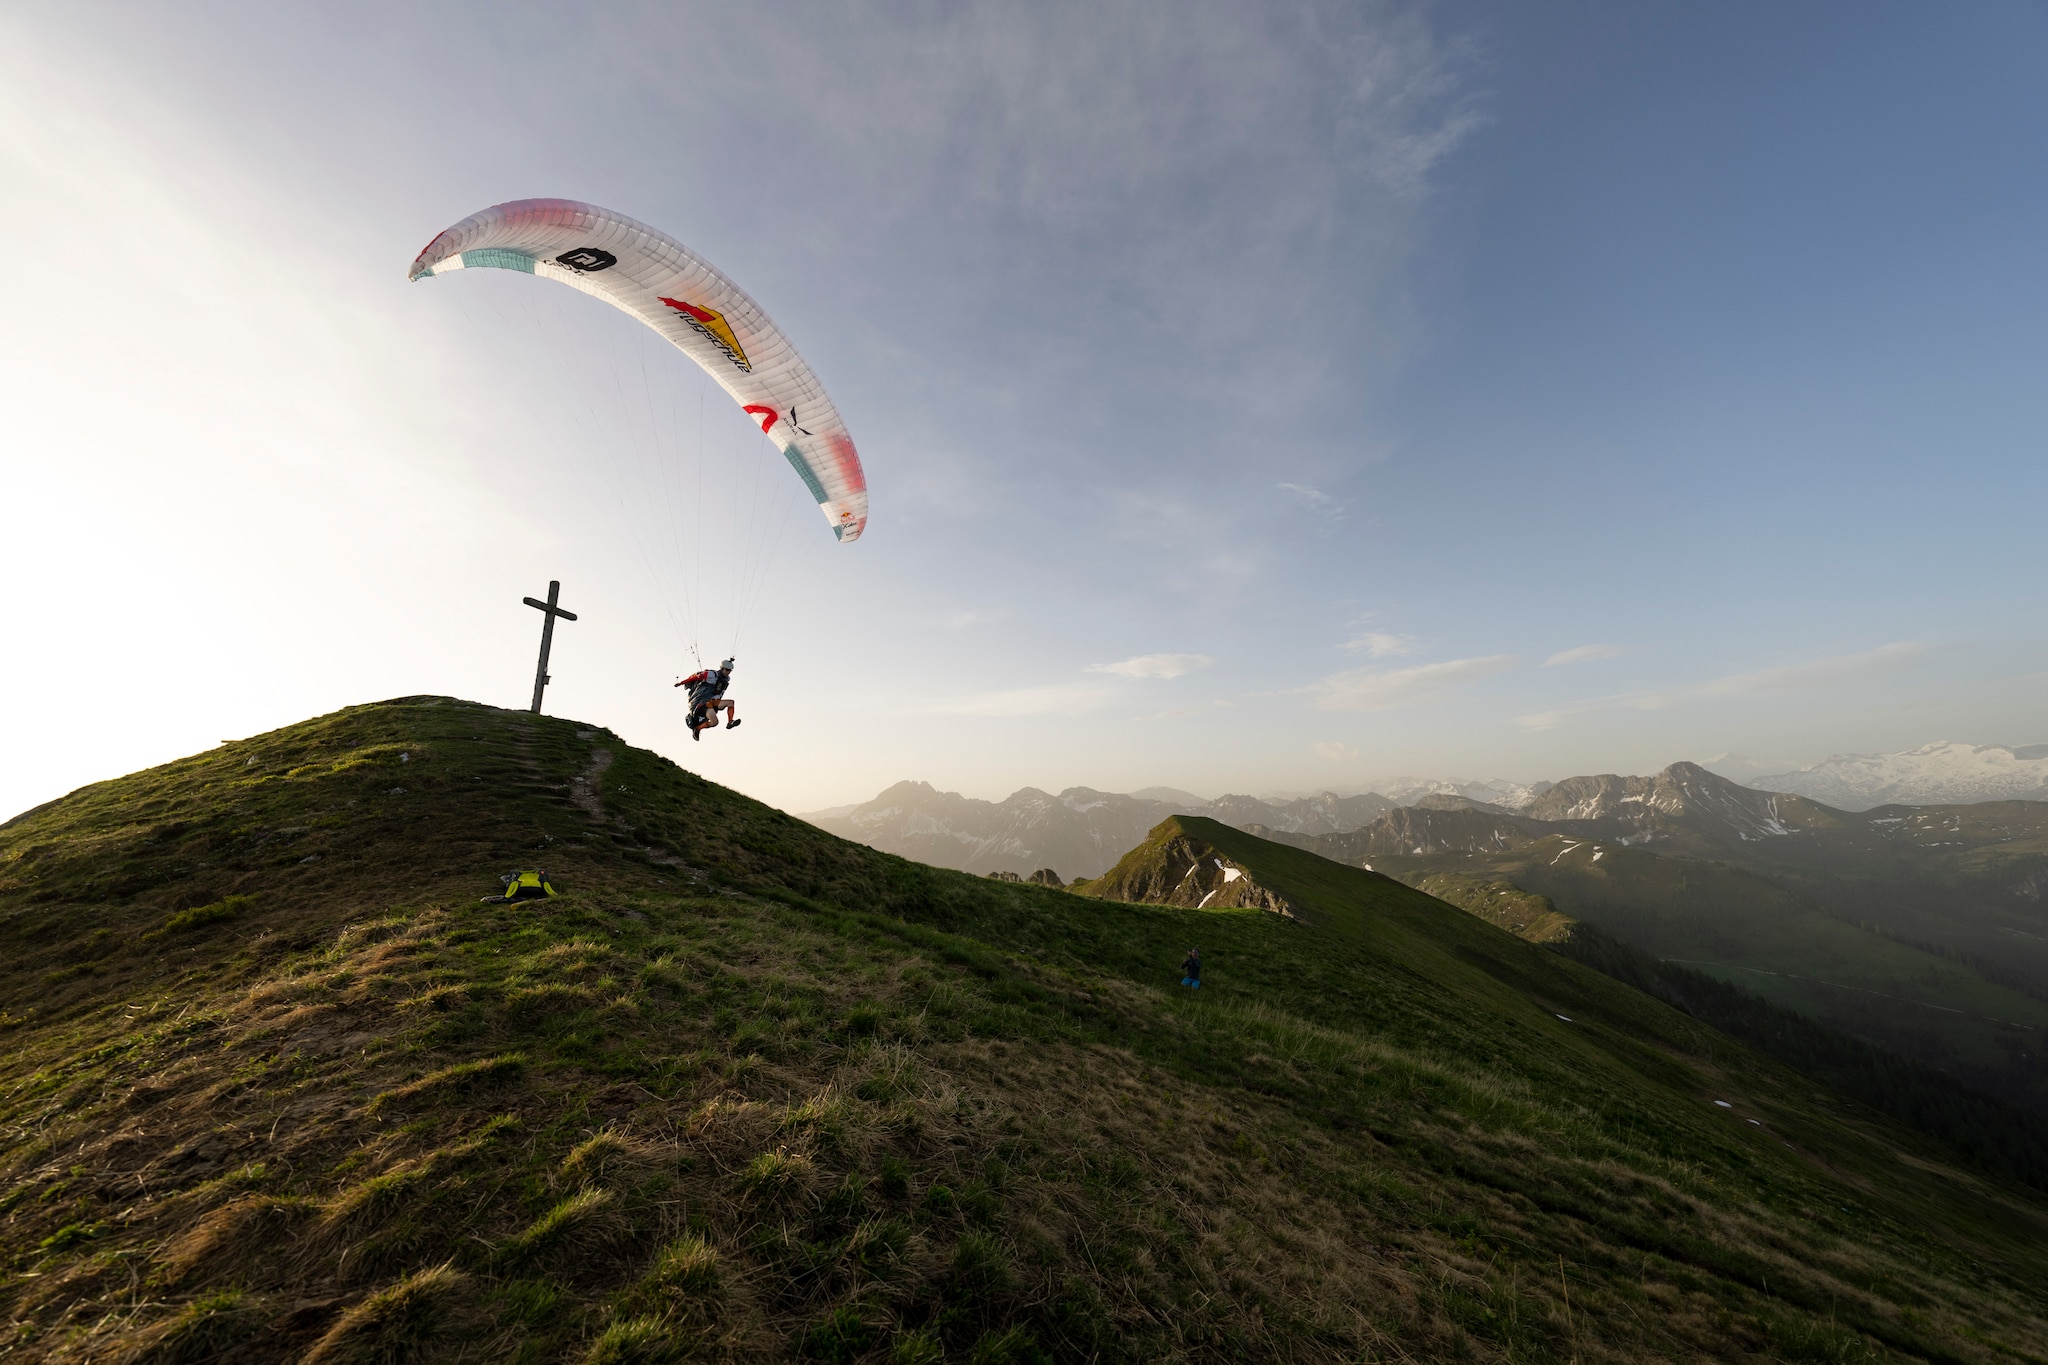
pixel 702 313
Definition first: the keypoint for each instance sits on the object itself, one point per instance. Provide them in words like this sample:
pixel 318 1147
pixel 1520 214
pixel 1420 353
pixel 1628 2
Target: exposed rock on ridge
pixel 1684 793
pixel 1175 867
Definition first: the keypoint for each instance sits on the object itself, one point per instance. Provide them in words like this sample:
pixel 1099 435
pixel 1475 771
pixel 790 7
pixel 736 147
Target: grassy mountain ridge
pixel 1988 1132
pixel 276 1086
pixel 1529 917
pixel 1992 1133
pixel 1922 930
pixel 1764 935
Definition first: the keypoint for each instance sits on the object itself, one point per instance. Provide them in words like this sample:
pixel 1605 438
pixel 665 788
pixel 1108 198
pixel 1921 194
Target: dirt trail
pixel 586 788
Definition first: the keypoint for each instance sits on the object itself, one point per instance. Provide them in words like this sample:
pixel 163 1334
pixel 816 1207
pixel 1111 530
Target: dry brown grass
pixel 411 1319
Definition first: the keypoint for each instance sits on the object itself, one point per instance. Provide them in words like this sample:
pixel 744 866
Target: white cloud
pixel 1583 654
pixel 1380 644
pixel 1333 750
pixel 1385 689
pixel 1154 665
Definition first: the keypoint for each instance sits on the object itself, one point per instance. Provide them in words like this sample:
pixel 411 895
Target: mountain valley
pixel 1921 929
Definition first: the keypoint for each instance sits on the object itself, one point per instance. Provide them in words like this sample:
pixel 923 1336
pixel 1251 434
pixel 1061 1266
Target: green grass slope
pixel 1988 1132
pixel 274 1086
pixel 1524 914
pixel 1966 882
pixel 1775 933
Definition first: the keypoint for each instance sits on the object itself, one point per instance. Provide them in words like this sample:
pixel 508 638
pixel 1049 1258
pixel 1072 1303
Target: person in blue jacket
pixel 1191 969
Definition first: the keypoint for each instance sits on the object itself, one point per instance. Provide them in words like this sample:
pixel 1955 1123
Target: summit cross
pixel 547 637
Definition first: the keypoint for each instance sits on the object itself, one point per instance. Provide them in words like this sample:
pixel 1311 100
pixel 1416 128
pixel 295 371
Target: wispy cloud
pixel 1199 537
pixel 1836 670
pixel 1065 698
pixel 1386 689
pixel 1335 751
pixel 1320 505
pixel 1381 645
pixel 1882 662
pixel 1154 666
pixel 1584 654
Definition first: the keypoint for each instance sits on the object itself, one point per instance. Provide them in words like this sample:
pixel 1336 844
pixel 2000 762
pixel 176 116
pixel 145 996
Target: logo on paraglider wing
pixel 768 417
pixel 587 260
pixel 710 324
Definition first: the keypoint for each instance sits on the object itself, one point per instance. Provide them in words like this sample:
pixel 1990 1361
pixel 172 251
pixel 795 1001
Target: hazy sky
pixel 1253 397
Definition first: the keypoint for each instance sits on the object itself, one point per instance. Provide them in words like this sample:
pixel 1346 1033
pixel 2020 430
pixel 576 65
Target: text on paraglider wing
pixel 710 324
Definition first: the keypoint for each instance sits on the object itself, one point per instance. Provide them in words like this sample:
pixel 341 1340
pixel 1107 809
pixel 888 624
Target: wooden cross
pixel 547 637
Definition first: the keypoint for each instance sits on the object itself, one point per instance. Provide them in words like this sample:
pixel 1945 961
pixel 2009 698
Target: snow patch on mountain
pixel 1945 773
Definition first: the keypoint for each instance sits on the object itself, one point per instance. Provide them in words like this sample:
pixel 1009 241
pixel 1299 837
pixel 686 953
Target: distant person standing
pixel 1191 969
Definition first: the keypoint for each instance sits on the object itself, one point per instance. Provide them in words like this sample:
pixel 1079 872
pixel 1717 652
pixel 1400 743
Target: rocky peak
pixel 1683 794
pixel 1175 867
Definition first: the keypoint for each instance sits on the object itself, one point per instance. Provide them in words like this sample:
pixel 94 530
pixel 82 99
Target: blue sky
pixel 1253 399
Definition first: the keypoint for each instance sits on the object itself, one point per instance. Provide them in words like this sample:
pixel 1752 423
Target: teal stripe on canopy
pixel 796 462
pixel 497 257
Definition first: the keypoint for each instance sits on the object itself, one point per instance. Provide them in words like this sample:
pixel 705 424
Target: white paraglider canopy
pixel 690 303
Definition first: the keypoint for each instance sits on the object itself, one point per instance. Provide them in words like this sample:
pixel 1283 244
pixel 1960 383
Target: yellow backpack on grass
pixel 523 886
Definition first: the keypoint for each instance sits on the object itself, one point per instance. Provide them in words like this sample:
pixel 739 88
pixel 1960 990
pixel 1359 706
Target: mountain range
pixel 1923 929
pixel 1943 773
pixel 1920 928
pixel 1080 832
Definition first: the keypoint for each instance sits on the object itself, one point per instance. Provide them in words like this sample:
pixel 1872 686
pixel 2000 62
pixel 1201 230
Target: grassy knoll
pixel 275 1086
